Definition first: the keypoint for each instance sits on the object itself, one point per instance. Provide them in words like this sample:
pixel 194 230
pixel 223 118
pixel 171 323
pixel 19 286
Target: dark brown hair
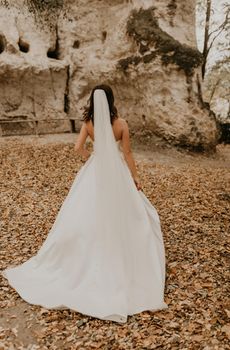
pixel 89 109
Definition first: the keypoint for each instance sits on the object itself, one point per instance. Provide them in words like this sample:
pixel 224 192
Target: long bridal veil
pixel 104 255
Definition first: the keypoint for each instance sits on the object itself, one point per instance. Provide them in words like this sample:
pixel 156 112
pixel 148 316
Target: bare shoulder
pixel 87 124
pixel 123 123
pixel 122 120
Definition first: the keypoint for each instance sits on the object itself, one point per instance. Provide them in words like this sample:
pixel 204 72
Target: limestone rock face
pixel 144 49
pixel 32 85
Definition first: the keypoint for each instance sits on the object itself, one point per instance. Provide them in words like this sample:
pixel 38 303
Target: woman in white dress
pixel 120 130
pixel 104 255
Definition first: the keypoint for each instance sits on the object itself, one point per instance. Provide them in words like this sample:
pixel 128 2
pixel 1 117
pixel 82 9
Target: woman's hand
pixel 85 154
pixel 137 183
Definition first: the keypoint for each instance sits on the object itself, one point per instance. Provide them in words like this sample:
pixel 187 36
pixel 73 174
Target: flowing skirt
pixel 105 261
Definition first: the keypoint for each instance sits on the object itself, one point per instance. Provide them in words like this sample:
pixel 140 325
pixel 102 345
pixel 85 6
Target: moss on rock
pixel 125 62
pixel 44 5
pixel 172 7
pixel 45 12
pixel 143 26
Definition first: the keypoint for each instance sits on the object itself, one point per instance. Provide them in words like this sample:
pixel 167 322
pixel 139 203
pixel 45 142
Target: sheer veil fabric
pixel 104 255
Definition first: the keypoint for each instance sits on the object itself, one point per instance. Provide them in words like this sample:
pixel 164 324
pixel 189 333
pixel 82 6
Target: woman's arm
pixel 79 145
pixel 128 153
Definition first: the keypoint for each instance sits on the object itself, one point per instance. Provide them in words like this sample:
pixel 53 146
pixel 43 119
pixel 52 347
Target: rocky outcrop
pixel 32 79
pixel 146 50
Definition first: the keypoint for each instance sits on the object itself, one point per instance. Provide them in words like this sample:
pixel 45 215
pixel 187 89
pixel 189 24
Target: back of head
pixel 88 113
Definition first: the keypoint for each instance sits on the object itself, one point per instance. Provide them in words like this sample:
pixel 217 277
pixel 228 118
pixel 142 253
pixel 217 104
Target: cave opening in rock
pixel 104 35
pixel 2 43
pixel 73 127
pixel 53 52
pixel 23 46
pixel 76 44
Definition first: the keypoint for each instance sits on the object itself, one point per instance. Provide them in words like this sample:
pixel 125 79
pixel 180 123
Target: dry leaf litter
pixel 192 198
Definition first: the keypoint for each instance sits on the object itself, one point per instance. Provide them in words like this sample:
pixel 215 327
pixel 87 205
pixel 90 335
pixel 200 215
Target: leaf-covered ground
pixel 192 196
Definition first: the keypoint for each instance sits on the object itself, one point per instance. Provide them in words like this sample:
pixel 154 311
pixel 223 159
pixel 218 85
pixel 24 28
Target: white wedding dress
pixel 104 255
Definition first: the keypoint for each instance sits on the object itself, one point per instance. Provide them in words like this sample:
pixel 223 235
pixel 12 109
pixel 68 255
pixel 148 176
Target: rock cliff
pixel 53 52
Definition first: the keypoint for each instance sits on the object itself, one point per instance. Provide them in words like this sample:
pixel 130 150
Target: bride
pixel 104 255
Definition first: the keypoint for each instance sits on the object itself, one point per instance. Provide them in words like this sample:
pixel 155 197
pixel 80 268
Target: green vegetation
pixel 143 26
pixel 45 12
pixel 44 5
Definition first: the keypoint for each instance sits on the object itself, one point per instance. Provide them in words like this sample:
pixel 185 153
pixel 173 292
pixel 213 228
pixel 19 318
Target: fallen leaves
pixel 192 200
pixel 226 329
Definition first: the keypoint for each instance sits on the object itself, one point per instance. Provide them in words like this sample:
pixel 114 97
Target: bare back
pixel 121 133
pixel 118 127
